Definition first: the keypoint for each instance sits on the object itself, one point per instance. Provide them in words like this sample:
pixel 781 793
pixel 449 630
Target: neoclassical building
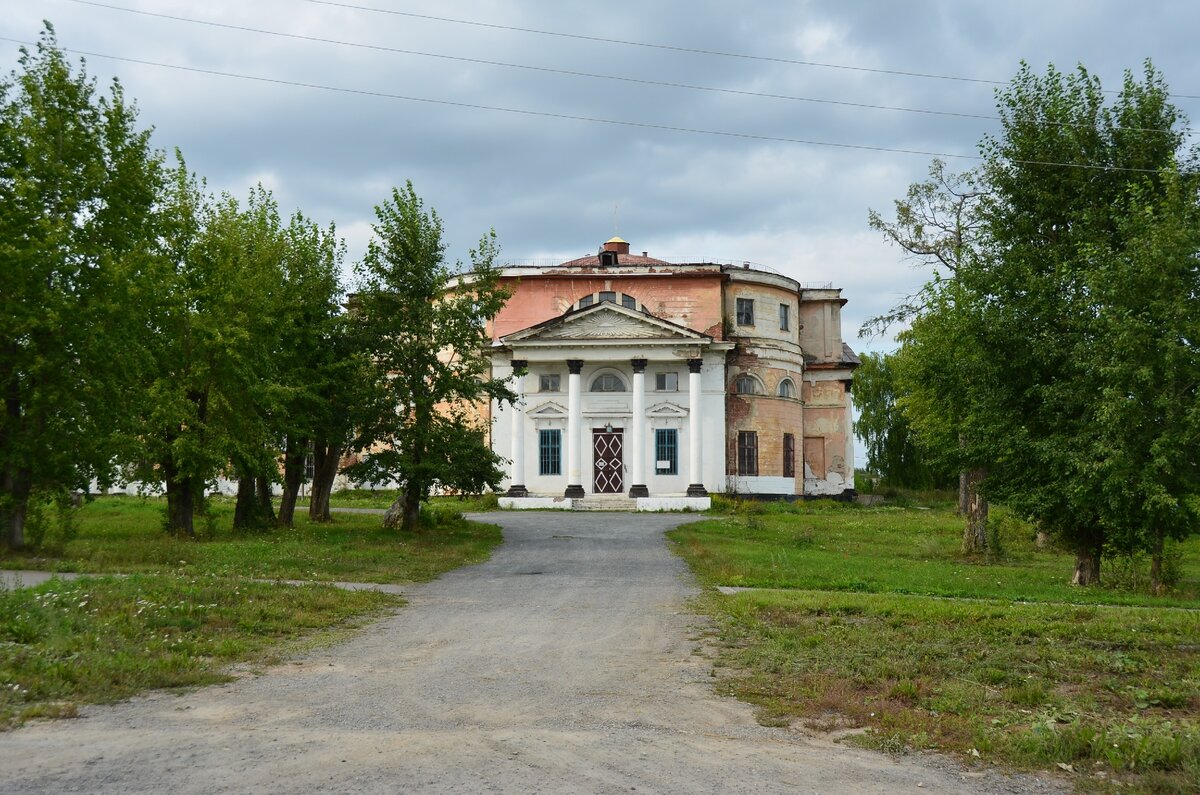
pixel 666 382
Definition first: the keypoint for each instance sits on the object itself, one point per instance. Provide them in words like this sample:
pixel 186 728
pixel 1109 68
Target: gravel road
pixel 566 663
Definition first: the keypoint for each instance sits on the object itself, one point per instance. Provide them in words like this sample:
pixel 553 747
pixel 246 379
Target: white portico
pixel 612 400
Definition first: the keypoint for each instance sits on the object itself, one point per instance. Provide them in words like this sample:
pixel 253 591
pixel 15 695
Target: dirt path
pixel 564 664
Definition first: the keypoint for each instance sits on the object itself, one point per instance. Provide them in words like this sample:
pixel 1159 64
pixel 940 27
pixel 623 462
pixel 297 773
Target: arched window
pixel 787 389
pixel 607 382
pixel 747 385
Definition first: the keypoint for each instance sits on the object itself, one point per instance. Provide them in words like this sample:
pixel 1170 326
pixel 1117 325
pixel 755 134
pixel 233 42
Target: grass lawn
pixel 383 498
pixel 191 608
pixel 871 618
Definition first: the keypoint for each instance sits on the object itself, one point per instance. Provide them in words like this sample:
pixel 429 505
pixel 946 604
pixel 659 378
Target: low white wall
pixel 674 503
pixel 528 503
pixel 760 484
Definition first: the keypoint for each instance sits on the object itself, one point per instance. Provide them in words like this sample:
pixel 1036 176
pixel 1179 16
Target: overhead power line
pixel 547 69
pixel 674 48
pixel 567 116
pixel 568 72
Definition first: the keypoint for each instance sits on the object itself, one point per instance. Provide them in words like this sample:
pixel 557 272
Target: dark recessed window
pixel 787 389
pixel 789 455
pixel 747 453
pixel 746 385
pixel 628 301
pixel 666 382
pixel 666 451
pixel 784 317
pixel 549 382
pixel 745 311
pixel 609 296
pixel 550 452
pixel 587 300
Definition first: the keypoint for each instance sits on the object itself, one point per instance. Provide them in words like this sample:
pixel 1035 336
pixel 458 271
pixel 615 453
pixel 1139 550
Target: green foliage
pixel 423 325
pixel 1060 352
pixel 52 520
pixel 77 184
pixel 892 452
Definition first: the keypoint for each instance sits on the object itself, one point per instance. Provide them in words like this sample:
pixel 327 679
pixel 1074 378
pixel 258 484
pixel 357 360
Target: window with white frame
pixel 787 389
pixel 784 317
pixel 549 382
pixel 666 382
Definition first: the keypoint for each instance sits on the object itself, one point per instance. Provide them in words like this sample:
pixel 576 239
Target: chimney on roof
pixel 616 245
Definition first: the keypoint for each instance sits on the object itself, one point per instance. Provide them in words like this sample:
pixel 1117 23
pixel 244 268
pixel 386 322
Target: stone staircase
pixel 604 502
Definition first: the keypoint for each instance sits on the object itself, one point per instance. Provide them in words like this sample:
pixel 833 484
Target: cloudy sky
pixel 758 131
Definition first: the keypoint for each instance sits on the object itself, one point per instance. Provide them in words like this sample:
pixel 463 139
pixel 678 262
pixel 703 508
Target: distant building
pixel 666 380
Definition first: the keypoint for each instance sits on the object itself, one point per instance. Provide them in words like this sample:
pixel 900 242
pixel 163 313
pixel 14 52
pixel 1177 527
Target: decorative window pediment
pixel 666 411
pixel 549 410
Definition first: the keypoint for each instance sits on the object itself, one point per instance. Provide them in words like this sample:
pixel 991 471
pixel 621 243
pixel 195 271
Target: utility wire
pixel 574 73
pixel 571 117
pixel 674 48
pixel 552 70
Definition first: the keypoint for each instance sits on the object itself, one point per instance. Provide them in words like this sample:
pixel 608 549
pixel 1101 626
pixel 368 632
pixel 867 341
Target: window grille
pixel 550 452
pixel 608 382
pixel 666 451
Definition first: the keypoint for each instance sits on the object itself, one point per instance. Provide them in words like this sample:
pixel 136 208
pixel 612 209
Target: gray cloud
pixel 549 185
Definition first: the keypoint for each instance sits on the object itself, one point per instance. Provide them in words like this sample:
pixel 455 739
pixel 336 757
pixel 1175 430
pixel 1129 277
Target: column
pixel 695 473
pixel 574 427
pixel 516 486
pixel 637 432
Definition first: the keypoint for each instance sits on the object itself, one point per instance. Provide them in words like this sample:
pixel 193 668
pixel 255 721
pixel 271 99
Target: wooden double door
pixel 608 460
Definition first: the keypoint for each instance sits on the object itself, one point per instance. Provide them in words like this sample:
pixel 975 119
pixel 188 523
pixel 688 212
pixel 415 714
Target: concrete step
pixel 595 502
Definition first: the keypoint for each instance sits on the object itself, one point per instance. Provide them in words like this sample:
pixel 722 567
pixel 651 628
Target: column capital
pixel 520 365
pixel 639 365
pixel 575 366
pixel 694 365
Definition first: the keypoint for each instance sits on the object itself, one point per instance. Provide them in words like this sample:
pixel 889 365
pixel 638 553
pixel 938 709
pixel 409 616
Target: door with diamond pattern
pixel 608 462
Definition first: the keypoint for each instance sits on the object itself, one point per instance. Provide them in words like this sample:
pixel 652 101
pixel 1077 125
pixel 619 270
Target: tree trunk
pixel 181 504
pixel 1042 540
pixel 293 477
pixel 1087 564
pixel 17 487
pixel 975 532
pixel 243 511
pixel 325 468
pixel 405 512
pixel 964 495
pixel 1156 563
pixel 265 501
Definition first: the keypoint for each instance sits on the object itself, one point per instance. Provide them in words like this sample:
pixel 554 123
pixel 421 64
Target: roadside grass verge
pixel 191 607
pixel 872 619
pixel 98 640
pixel 121 534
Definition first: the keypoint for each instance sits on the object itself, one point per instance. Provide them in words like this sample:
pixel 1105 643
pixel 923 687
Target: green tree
pixel 939 225
pixel 218 283
pixel 423 325
pixel 892 451
pixel 1076 317
pixel 77 183
pixel 313 365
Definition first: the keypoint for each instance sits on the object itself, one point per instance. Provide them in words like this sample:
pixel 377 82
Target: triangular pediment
pixel 548 409
pixel 665 410
pixel 606 321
